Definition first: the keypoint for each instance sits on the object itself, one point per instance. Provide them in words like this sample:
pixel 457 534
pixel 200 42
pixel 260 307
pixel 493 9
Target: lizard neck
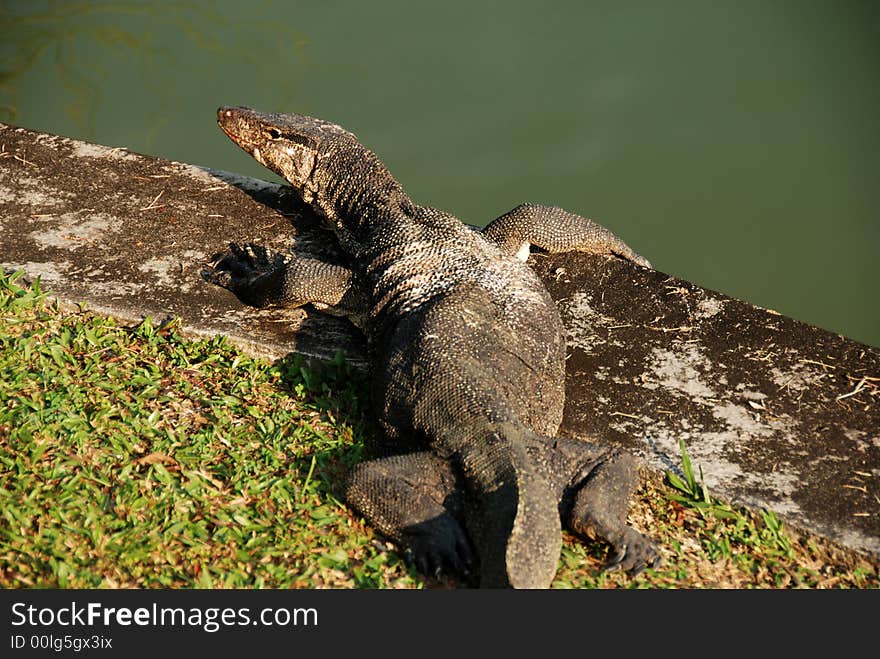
pixel 356 194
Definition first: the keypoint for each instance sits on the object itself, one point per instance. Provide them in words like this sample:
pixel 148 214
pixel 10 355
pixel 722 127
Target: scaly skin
pixel 466 355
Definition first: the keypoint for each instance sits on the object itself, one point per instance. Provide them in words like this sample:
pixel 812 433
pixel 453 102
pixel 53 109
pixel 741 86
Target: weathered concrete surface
pixel 778 413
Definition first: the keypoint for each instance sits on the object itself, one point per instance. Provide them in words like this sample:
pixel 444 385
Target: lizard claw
pixel 634 553
pixel 638 259
pixel 237 269
pixel 439 546
pixel 623 251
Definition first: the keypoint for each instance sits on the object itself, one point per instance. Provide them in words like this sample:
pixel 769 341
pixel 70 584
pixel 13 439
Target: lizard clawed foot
pixel 243 263
pixel 439 546
pixel 238 269
pixel 634 552
pixel 632 256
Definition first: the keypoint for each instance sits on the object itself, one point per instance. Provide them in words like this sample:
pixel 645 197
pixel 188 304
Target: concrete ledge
pixel 778 413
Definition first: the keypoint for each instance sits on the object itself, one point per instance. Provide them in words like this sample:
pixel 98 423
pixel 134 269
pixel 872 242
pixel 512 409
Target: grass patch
pixel 707 543
pixel 134 457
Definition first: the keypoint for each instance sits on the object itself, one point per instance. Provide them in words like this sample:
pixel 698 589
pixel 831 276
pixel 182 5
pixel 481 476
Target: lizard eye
pixel 273 133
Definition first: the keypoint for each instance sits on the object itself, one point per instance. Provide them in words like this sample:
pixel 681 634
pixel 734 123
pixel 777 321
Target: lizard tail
pixel 516 529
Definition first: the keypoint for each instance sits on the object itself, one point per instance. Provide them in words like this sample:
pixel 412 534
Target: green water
pixel 735 144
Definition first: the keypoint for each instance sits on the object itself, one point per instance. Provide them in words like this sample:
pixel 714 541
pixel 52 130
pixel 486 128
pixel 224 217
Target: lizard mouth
pixel 227 119
pixel 230 120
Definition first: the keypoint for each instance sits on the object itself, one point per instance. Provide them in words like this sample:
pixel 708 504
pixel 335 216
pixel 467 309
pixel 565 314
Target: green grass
pixel 134 457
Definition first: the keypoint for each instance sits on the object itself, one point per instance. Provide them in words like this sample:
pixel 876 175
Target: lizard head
pixel 291 145
pixel 338 177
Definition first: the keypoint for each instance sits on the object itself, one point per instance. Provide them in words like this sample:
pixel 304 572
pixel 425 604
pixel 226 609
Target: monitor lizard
pixel 466 355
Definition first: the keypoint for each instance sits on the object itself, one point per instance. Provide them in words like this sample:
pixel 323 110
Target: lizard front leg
pixel 554 229
pixel 262 278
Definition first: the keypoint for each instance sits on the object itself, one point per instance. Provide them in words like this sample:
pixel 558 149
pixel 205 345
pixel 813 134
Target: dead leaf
pixel 153 458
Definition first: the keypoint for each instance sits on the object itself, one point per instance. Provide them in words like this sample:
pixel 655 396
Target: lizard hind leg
pixel 414 499
pixel 596 506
